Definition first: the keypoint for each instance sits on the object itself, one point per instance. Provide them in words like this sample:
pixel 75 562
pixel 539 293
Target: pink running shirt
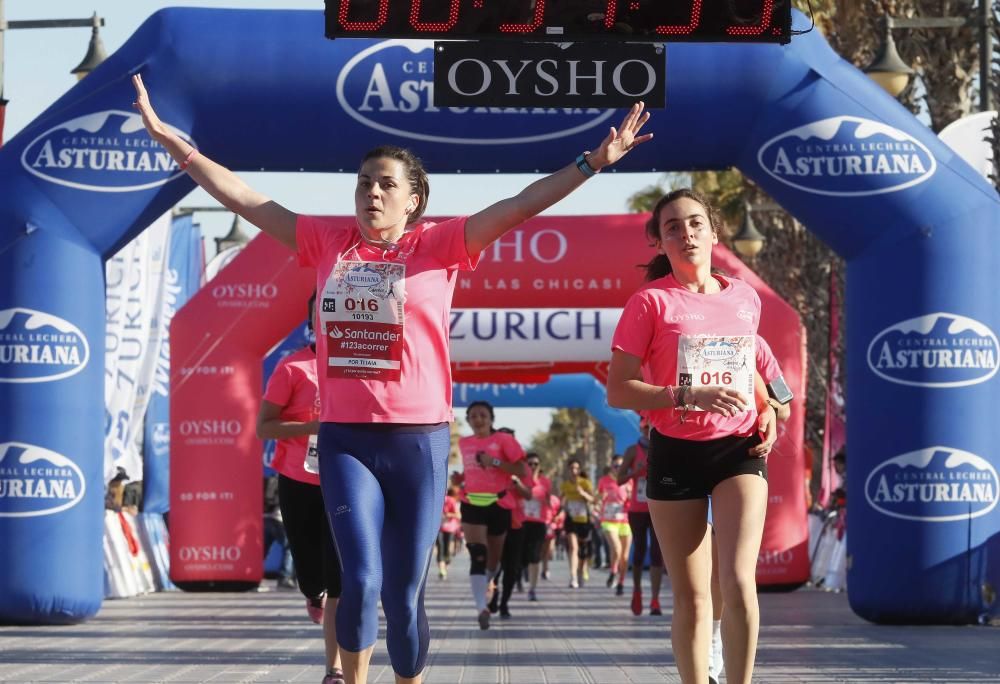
pixel 451 524
pixel 536 509
pixel 614 499
pixel 293 386
pixel 638 503
pixel 693 338
pixel 369 371
pixel 489 480
pixel 767 364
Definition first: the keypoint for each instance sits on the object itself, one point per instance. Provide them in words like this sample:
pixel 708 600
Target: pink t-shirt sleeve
pixel 279 386
pixel 446 241
pixel 767 364
pixel 512 450
pixel 314 236
pixel 635 327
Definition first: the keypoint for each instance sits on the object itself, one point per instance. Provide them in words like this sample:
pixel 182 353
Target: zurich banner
pixel 181 280
pixel 912 220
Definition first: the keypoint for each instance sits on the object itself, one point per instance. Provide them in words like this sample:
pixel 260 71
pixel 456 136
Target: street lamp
pixel 749 241
pixel 235 236
pixel 890 72
pixel 95 52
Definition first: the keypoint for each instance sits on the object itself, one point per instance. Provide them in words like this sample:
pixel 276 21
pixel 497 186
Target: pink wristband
pixel 187 160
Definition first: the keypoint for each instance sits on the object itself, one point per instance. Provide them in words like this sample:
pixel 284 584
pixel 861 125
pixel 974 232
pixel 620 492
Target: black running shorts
pixel 684 469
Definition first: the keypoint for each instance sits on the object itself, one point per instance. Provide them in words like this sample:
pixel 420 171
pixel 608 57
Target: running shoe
pixel 611 580
pixel 586 574
pixel 335 676
pixel 504 612
pixel 573 584
pixel 314 607
pixel 484 619
pixel 654 607
pixel 531 595
pixel 637 601
pixel 545 574
pixel 620 590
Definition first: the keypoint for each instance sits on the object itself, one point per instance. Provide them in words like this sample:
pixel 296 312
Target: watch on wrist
pixel 496 462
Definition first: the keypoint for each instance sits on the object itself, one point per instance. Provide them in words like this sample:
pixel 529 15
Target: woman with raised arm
pixel 385 289
pixel 684 351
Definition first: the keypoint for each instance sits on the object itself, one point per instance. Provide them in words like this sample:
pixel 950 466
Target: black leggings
pixel 511 562
pixel 317 564
pixel 444 546
pixel 534 539
pixel 642 525
pixel 582 530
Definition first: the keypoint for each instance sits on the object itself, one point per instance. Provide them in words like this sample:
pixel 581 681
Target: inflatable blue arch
pixel 571 390
pixel 265 90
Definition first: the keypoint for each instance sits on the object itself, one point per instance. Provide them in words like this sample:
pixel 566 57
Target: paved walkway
pixel 569 636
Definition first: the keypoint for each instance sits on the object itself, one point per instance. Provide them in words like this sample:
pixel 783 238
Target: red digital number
pixel 756 29
pixel 362 25
pixel 440 26
pixel 536 21
pixel 610 14
pixel 683 29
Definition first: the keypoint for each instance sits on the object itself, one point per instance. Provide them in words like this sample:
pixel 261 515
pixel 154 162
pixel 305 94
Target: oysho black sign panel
pixel 502 74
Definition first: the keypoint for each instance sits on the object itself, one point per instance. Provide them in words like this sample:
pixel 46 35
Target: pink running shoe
pixel 315 606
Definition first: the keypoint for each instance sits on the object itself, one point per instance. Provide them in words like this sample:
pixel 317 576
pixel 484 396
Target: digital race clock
pixel 563 20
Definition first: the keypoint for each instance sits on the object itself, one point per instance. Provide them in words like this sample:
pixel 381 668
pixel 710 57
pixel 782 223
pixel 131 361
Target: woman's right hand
pixel 150 120
pixel 718 399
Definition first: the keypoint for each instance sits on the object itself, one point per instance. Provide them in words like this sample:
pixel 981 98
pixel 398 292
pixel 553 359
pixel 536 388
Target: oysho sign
pixel 38 347
pixel 37 481
pixel 937 484
pixel 509 74
pixel 244 295
pixel 389 87
pixel 847 156
pixel 107 151
pixel 936 350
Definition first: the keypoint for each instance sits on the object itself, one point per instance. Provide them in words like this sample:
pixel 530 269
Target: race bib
pixel 613 511
pixel 640 490
pixel 312 455
pixel 721 361
pixel 532 508
pixel 576 509
pixel 362 317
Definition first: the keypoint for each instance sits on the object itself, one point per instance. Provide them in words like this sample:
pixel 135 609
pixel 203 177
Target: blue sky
pixel 37 63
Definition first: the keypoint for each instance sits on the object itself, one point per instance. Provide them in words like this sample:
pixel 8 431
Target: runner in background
pixel 489 457
pixel 513 546
pixel 577 495
pixel 555 536
pixel 633 470
pixel 537 513
pixel 289 413
pixel 614 500
pixel 451 523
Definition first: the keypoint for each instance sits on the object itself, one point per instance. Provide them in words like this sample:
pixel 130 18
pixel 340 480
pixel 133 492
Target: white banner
pixel 532 334
pixel 134 292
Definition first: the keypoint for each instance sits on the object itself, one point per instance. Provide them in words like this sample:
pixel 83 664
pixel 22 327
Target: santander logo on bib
pixel 847 156
pixel 107 151
pixel 389 87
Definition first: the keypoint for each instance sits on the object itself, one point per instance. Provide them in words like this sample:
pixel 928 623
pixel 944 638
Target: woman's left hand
pixel 620 141
pixel 767 425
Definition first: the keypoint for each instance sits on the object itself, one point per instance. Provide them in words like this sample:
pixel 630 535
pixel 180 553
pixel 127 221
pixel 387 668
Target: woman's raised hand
pixel 620 141
pixel 150 120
